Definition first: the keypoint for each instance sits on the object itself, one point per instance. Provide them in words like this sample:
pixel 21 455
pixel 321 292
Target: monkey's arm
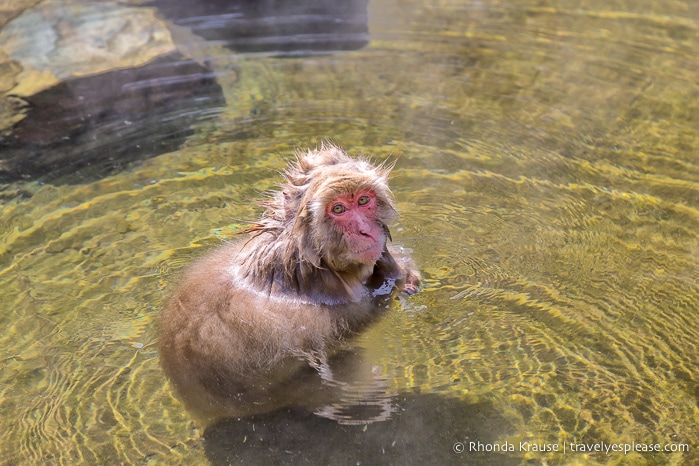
pixel 407 264
pixel 396 263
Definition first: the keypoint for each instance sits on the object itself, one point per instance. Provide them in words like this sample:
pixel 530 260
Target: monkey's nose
pixel 366 231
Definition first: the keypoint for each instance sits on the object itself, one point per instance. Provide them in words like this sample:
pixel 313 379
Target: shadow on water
pixel 296 436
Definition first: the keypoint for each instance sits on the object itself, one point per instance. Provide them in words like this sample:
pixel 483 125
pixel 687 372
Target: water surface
pixel 548 184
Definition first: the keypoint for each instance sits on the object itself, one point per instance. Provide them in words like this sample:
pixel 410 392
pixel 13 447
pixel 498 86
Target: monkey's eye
pixel 363 200
pixel 338 209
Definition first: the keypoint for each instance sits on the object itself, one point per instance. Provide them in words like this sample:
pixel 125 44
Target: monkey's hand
pixel 412 283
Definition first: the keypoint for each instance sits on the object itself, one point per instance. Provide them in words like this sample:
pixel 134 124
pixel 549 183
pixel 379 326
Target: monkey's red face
pixel 355 216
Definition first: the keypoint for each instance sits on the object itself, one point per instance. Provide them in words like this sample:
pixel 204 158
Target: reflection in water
pixel 547 181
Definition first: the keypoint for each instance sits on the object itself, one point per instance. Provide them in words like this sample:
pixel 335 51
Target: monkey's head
pixel 338 209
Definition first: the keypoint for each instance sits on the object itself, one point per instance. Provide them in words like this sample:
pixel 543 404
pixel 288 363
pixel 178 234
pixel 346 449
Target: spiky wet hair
pixel 296 212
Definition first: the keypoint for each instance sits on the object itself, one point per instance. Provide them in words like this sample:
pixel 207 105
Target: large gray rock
pixel 57 41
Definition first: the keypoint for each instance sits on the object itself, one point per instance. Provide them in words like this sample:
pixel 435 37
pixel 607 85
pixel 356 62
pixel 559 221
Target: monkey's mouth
pixel 370 253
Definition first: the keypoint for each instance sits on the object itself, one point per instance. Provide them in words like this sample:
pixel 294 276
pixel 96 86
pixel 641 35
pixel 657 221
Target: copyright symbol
pixel 458 447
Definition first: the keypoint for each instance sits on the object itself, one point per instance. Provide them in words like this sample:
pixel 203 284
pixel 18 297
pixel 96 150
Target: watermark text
pixel 565 447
